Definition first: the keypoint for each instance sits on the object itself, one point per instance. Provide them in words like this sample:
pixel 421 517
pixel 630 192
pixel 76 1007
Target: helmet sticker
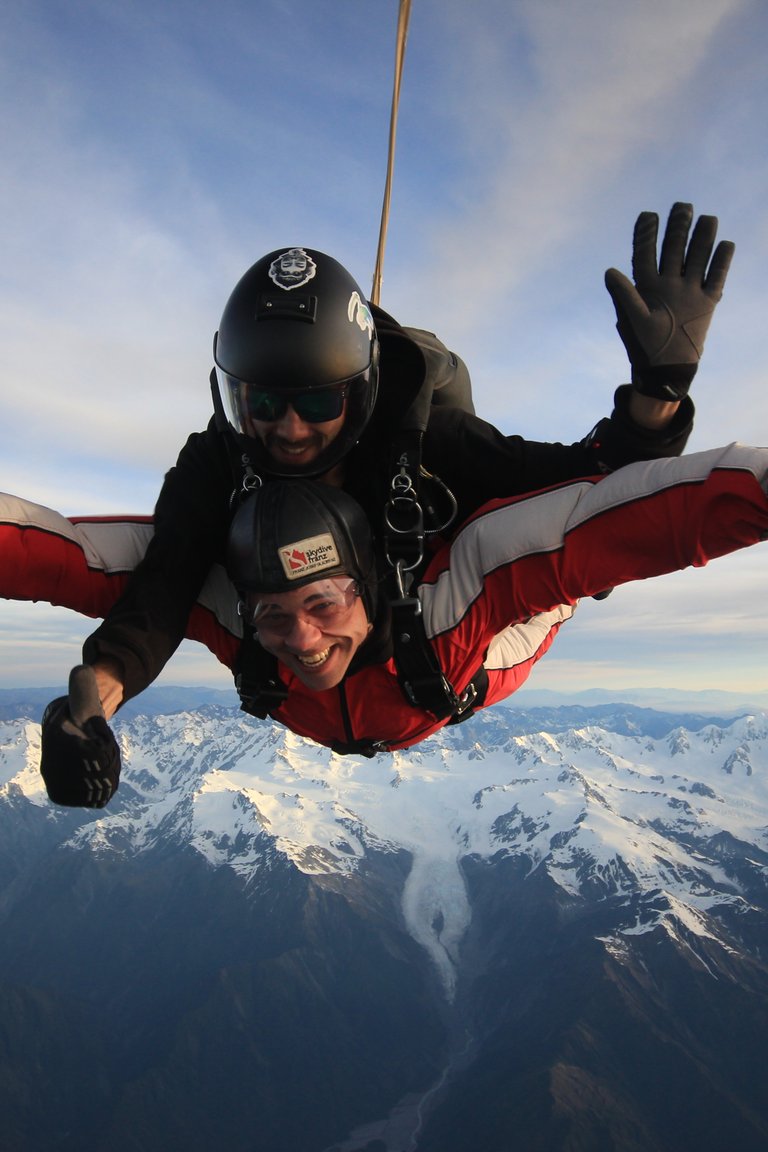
pixel 314 554
pixel 292 269
pixel 359 313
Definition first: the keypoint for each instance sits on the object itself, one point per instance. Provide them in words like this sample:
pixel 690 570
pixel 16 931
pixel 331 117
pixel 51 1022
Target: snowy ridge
pixel 604 814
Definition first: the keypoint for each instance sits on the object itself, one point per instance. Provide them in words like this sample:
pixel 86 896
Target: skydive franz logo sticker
pixel 314 554
pixel 292 269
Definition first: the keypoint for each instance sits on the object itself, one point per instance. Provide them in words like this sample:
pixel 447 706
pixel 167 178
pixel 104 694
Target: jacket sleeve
pixel 479 463
pixel 79 563
pixel 84 563
pixel 149 620
pixel 516 558
pixel 619 440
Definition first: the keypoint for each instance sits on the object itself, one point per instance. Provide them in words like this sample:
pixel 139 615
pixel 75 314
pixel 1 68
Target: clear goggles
pixel 323 603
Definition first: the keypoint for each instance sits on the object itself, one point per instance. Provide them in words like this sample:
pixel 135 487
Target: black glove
pixel 664 316
pixel 80 759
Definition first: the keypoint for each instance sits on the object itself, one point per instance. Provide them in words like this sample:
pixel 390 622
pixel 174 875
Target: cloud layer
pixel 152 153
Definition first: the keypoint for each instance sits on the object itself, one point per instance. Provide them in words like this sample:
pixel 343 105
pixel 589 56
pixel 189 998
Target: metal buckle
pixel 404 519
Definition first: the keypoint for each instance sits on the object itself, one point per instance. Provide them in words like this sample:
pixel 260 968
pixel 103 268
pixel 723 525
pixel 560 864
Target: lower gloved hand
pixel 80 759
pixel 663 317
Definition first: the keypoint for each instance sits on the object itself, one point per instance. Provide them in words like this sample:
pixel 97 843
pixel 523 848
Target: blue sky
pixel 152 152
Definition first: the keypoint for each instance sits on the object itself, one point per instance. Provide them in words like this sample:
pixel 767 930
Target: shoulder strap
pixel 421 678
pixel 447 372
pixel 257 680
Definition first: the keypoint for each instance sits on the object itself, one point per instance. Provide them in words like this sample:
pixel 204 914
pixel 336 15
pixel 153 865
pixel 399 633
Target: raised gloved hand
pixel 80 759
pixel 664 316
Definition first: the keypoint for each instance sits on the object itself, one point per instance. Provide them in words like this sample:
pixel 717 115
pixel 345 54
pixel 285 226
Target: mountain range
pixel 544 929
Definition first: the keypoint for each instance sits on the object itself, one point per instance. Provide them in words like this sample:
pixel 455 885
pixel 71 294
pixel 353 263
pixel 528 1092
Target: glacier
pixel 602 813
pixel 514 934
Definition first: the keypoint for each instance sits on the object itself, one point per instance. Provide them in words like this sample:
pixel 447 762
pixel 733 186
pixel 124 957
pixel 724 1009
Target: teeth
pixel 294 449
pixel 313 661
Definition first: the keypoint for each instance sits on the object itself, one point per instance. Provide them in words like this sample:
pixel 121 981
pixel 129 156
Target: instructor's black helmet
pixel 290 533
pixel 297 323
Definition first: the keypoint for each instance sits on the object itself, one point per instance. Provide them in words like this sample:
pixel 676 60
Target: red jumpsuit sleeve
pixel 524 556
pixel 84 564
pixel 479 463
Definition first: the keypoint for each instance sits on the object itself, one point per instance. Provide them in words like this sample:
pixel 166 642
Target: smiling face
pixel 294 442
pixel 294 426
pixel 314 630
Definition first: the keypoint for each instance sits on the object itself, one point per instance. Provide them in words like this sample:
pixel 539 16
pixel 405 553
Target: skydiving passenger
pixel 301 556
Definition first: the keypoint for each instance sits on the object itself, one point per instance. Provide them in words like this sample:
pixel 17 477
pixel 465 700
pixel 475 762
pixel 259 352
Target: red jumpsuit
pixel 499 591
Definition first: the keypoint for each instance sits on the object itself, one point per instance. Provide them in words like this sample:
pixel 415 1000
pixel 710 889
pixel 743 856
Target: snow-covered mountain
pixel 500 938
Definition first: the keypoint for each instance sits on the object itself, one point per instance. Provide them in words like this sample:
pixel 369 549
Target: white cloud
pixel 151 153
pixel 39 644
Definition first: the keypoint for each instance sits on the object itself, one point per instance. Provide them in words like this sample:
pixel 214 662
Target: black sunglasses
pixel 314 406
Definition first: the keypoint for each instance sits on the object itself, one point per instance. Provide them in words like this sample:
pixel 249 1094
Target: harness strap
pixel 257 680
pixel 421 678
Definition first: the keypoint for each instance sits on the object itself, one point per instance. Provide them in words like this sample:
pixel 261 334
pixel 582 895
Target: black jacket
pixel 471 457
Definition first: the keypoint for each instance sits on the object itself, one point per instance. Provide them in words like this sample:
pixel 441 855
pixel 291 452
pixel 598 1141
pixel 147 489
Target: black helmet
pixel 290 533
pixel 297 322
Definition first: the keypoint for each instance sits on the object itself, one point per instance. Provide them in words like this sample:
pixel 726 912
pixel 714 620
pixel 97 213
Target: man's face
pixel 293 441
pixel 315 630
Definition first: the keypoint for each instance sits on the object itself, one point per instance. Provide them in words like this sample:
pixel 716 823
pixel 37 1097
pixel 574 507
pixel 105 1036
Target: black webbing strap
pixel 257 681
pixel 421 678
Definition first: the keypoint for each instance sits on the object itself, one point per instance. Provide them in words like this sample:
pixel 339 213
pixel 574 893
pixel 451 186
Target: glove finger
pixel 54 712
pixel 718 269
pixel 84 699
pixel 700 248
pixel 672 259
pixel 644 248
pixel 626 298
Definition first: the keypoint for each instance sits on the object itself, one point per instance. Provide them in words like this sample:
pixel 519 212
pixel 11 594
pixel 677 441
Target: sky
pixel 152 153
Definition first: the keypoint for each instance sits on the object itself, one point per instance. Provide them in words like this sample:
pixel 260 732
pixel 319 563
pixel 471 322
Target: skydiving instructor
pixel 311 381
